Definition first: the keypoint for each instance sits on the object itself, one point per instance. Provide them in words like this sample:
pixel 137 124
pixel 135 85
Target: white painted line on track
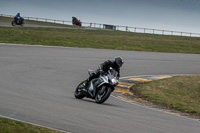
pixel 152 108
pixel 30 45
pixel 47 46
pixel 34 124
pixel 156 75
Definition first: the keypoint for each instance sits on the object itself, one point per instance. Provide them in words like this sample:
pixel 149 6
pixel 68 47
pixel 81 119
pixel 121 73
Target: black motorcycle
pixel 17 22
pixel 99 88
pixel 75 21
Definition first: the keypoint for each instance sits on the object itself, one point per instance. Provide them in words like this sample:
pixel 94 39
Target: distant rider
pixel 104 67
pixel 17 17
pixel 74 20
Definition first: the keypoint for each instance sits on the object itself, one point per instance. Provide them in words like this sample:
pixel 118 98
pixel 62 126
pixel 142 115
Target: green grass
pixel 99 39
pixel 11 126
pixel 5 19
pixel 180 92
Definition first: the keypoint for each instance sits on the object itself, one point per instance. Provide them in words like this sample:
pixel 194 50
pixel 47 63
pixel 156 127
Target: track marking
pixel 162 77
pixel 139 79
pixel 122 90
pixel 138 100
pixel 34 124
pixel 125 84
pixel 154 109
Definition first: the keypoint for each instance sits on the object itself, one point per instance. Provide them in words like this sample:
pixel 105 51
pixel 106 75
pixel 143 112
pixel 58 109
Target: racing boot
pixel 86 82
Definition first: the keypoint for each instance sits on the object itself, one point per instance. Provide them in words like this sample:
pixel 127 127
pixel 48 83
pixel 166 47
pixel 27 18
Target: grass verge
pixel 11 126
pixel 180 92
pixel 99 39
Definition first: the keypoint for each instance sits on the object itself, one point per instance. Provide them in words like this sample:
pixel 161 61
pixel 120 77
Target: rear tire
pixel 78 93
pixel 22 24
pixel 100 98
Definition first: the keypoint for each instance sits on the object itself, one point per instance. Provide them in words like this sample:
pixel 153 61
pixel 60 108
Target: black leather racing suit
pixel 104 67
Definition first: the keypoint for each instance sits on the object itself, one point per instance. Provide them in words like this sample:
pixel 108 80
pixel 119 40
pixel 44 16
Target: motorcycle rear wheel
pixel 22 23
pixel 78 93
pixel 103 96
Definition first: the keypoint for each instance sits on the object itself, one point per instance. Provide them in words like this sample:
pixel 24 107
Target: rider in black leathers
pixel 104 67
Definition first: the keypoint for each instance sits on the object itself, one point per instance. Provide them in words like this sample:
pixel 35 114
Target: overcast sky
pixel 177 15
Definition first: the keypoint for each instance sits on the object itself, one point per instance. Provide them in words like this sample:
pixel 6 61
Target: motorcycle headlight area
pixel 114 81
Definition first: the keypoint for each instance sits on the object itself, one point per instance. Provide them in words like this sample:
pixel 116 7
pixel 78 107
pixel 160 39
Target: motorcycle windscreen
pixel 113 73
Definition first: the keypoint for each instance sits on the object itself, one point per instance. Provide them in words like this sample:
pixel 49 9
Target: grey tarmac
pixel 37 85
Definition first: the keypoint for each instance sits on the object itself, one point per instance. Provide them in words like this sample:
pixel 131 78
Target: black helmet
pixel 119 61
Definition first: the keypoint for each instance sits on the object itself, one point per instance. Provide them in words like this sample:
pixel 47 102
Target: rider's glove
pixel 101 72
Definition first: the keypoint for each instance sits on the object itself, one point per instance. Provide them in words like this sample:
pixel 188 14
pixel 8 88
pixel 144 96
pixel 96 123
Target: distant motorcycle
pixel 17 22
pixel 75 21
pixel 99 88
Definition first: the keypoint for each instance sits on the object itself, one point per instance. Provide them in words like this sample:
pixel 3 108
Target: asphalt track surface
pixel 32 25
pixel 37 85
pixel 44 26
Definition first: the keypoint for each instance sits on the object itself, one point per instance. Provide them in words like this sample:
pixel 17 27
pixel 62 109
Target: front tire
pixel 78 93
pixel 13 23
pixel 103 96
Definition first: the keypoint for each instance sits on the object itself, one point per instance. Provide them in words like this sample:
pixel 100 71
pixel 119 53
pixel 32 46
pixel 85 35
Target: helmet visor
pixel 119 63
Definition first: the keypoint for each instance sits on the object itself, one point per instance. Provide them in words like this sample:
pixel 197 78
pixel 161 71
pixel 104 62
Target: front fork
pixel 102 89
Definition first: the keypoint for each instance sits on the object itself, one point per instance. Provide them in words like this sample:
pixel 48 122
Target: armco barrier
pixel 121 28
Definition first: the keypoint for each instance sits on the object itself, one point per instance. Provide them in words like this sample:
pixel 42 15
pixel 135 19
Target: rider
pixel 74 20
pixel 17 17
pixel 104 67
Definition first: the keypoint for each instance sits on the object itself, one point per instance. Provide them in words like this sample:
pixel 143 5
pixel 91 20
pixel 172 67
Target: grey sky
pixel 178 15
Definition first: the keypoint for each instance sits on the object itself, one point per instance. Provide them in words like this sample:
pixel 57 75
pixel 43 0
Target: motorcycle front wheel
pixel 13 23
pixel 78 93
pixel 103 94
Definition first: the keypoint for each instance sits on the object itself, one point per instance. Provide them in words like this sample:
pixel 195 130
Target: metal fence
pixel 121 28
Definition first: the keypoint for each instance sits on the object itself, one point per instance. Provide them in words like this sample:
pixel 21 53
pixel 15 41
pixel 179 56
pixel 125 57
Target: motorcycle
pixel 19 22
pixel 75 21
pixel 99 88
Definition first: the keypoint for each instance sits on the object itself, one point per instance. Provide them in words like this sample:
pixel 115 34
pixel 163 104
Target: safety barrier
pixel 121 28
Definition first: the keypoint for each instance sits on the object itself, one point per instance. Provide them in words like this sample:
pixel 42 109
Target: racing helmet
pixel 119 61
